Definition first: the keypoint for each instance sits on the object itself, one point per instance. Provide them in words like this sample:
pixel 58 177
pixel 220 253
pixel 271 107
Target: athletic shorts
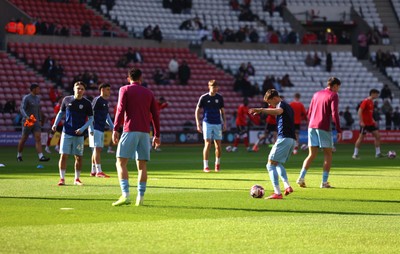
pixel 134 145
pixel 297 127
pixel 320 138
pixel 28 130
pixel 212 131
pixel 282 150
pixel 97 139
pixel 368 128
pixel 72 145
pixel 241 130
pixel 271 128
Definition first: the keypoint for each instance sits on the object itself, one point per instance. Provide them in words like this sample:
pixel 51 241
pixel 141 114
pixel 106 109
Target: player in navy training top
pixel 284 144
pixel 79 115
pixel 101 117
pixel 212 126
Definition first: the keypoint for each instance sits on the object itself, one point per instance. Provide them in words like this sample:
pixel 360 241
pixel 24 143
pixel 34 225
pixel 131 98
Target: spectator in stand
pixel 241 34
pixel 309 61
pixel 160 77
pixel 396 119
pixel 173 68
pixel 130 56
pixel 9 107
pixel 385 35
pixel 329 62
pixel 387 110
pixel 362 45
pixel 281 7
pixel 217 36
pixel 317 60
pixel 234 5
pixel 250 71
pixel 330 36
pixel 348 119
pixel 271 37
pixel 229 35
pixel 253 35
pixel 55 93
pixel 48 66
pixel 41 27
pixel 64 31
pixel 269 6
pixel 30 28
pixel 267 84
pixel 344 38
pixel 242 71
pixel 386 93
pixel 148 32
pixel 86 30
pixel 285 81
pixel 184 73
pixel 157 34
pixel 11 27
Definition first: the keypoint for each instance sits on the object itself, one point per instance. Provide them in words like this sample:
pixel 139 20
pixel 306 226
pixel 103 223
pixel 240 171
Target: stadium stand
pixel 78 58
pixel 138 15
pixel 71 14
pixel 15 79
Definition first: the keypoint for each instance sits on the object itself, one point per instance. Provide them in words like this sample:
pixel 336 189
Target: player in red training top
pixel 299 115
pixel 241 126
pixel 269 131
pixel 367 124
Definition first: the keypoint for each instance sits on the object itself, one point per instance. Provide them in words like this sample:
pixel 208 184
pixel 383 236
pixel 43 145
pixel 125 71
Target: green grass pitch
pixel 188 211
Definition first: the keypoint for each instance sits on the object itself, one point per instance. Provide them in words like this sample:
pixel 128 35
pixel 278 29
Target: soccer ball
pixel 228 149
pixel 391 154
pixel 257 191
pixel 303 147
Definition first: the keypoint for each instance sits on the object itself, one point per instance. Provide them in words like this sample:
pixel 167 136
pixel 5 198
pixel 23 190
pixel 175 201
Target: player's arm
pixel 85 126
pixel 268 111
pixel 222 111
pixel 22 108
pixel 109 121
pixel 59 116
pixel 198 120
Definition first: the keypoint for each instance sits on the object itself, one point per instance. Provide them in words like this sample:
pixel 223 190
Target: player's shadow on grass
pixel 351 200
pixel 275 210
pixel 211 179
pixel 193 188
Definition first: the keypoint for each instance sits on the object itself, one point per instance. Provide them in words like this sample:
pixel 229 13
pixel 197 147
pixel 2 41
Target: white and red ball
pixel 228 149
pixel 257 191
pixel 392 154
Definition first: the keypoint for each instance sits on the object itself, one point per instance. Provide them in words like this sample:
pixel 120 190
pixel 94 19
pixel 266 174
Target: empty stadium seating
pixel 72 15
pixel 15 80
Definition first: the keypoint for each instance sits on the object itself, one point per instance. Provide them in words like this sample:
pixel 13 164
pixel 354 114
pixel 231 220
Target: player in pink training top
pixel 137 104
pixel 323 108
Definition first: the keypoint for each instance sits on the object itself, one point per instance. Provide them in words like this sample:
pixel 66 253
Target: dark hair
pixel 334 81
pixel 134 74
pixel 80 83
pixel 297 95
pixel 103 85
pixel 373 91
pixel 33 86
pixel 271 93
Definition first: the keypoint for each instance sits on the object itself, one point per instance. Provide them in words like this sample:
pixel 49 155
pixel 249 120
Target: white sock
pixel 286 184
pixel 205 163
pixel 277 190
pixel 19 154
pixel 98 168
pixel 93 168
pixel 40 155
pixel 77 174
pixel 377 150
pixel 355 151
pixel 62 173
pixel 218 161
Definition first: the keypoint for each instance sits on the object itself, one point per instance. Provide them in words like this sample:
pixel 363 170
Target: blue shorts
pixel 282 149
pixel 134 145
pixel 72 145
pixel 320 138
pixel 97 140
pixel 212 131
pixel 28 130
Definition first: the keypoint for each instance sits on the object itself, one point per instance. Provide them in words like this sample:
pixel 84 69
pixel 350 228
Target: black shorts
pixel 271 127
pixel 297 127
pixel 241 129
pixel 368 128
